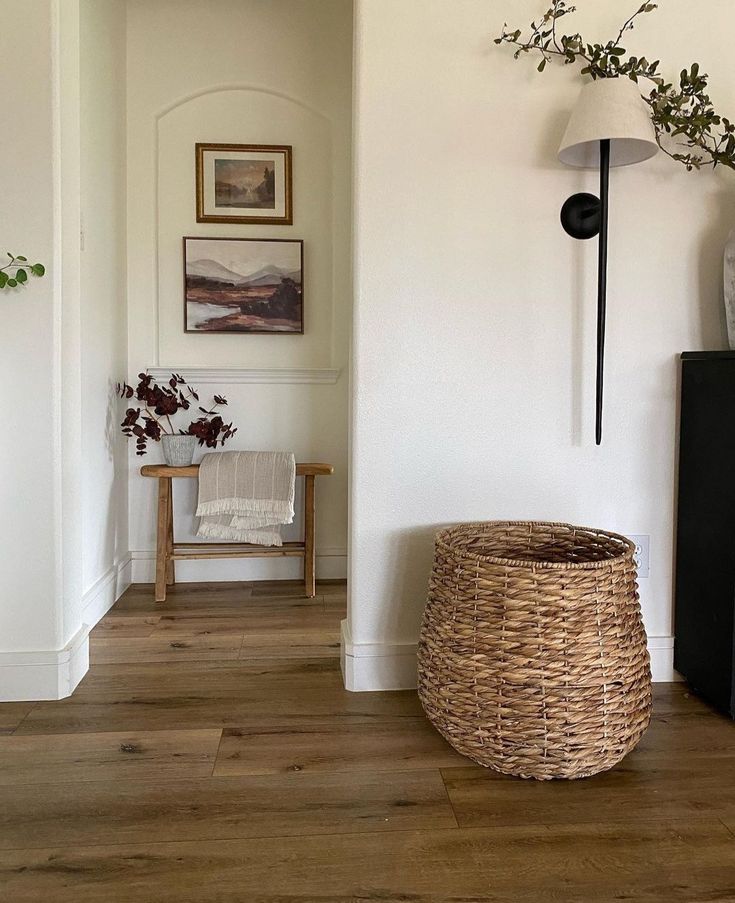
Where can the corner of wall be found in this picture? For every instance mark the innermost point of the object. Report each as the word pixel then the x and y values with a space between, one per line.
pixel 103 594
pixel 55 673
pixel 377 666
pixel 44 675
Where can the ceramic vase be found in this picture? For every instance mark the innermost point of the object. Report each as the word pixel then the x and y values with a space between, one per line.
pixel 178 451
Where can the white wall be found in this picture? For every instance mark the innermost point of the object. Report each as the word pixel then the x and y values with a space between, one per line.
pixel 475 313
pixel 63 498
pixel 42 639
pixel 26 340
pixel 103 298
pixel 276 72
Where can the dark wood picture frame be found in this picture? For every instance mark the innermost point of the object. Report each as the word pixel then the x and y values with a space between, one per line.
pixel 248 331
pixel 285 150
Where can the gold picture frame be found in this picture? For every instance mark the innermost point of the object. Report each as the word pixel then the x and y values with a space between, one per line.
pixel 244 183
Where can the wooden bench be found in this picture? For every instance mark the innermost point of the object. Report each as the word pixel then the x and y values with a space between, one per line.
pixel 168 551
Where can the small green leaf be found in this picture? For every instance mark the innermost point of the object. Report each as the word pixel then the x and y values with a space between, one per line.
pixel 20 257
pixel 21 276
pixel 542 65
pixel 3 279
pixel 38 269
pixel 12 283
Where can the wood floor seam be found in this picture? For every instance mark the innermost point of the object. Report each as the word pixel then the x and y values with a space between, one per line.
pixel 449 798
pixel 324 835
pixel 216 755
pixel 18 725
pixel 648 824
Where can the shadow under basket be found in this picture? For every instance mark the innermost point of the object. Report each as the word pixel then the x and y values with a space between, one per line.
pixel 533 657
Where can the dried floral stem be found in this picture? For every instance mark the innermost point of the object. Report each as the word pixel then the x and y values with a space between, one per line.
pixel 164 401
pixel 683 114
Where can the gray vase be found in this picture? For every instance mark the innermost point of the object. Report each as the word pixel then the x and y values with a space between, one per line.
pixel 178 451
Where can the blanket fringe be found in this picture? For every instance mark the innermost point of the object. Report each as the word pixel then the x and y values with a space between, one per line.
pixel 262 537
pixel 280 511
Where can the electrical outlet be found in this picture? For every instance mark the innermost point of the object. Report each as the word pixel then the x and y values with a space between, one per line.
pixel 642 554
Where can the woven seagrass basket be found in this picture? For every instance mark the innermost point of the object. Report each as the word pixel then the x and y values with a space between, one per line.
pixel 533 658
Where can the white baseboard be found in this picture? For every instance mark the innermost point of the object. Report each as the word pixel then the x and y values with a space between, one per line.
pixel 661 649
pixel 377 667
pixel 372 666
pixel 38 676
pixel 56 673
pixel 331 564
pixel 103 594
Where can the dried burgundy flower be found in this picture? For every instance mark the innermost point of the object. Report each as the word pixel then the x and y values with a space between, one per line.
pixel 161 403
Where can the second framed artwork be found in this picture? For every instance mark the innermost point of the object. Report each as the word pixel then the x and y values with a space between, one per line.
pixel 241 285
pixel 244 183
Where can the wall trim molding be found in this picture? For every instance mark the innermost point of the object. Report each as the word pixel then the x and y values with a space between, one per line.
pixel 331 564
pixel 237 86
pixel 370 667
pixel 45 674
pixel 50 674
pixel 105 591
pixel 661 649
pixel 378 667
pixel 262 376
pixel 158 118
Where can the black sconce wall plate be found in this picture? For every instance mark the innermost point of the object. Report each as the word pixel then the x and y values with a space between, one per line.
pixel 580 216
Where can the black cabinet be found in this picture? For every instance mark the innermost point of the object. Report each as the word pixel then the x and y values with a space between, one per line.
pixel 705 550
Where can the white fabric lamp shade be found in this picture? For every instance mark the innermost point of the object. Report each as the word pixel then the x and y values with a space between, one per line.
pixel 609 108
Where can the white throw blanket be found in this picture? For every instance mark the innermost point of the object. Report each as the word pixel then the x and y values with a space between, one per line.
pixel 245 496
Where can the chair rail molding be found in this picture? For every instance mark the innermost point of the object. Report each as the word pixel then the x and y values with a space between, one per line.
pixel 236 375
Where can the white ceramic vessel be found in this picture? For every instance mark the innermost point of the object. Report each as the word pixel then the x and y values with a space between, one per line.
pixel 178 451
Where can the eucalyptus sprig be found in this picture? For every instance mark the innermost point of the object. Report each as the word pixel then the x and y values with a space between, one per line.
pixel 682 113
pixel 16 272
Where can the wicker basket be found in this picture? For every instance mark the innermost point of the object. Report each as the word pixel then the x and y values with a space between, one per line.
pixel 533 657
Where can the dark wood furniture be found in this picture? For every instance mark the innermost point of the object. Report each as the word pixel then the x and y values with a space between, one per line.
pixel 168 551
pixel 705 557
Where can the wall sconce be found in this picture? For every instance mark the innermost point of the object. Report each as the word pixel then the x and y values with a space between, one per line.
pixel 609 126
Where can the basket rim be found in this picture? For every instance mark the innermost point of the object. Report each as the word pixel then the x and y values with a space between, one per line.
pixel 444 535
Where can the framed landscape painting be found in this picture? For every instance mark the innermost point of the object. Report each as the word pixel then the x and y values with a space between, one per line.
pixel 243 285
pixel 244 183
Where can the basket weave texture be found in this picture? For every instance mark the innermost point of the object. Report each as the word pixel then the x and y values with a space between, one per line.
pixel 533 658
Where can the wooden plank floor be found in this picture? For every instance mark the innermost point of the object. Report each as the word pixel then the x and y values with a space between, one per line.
pixel 212 754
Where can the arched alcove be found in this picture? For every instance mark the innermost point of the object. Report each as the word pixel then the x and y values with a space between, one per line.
pixel 245 115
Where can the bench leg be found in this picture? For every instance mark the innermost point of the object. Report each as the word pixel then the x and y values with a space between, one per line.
pixel 170 563
pixel 164 492
pixel 309 544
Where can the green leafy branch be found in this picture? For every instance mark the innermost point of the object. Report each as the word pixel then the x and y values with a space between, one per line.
pixel 16 272
pixel 681 113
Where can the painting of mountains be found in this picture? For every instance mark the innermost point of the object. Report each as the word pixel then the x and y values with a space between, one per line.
pixel 243 285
